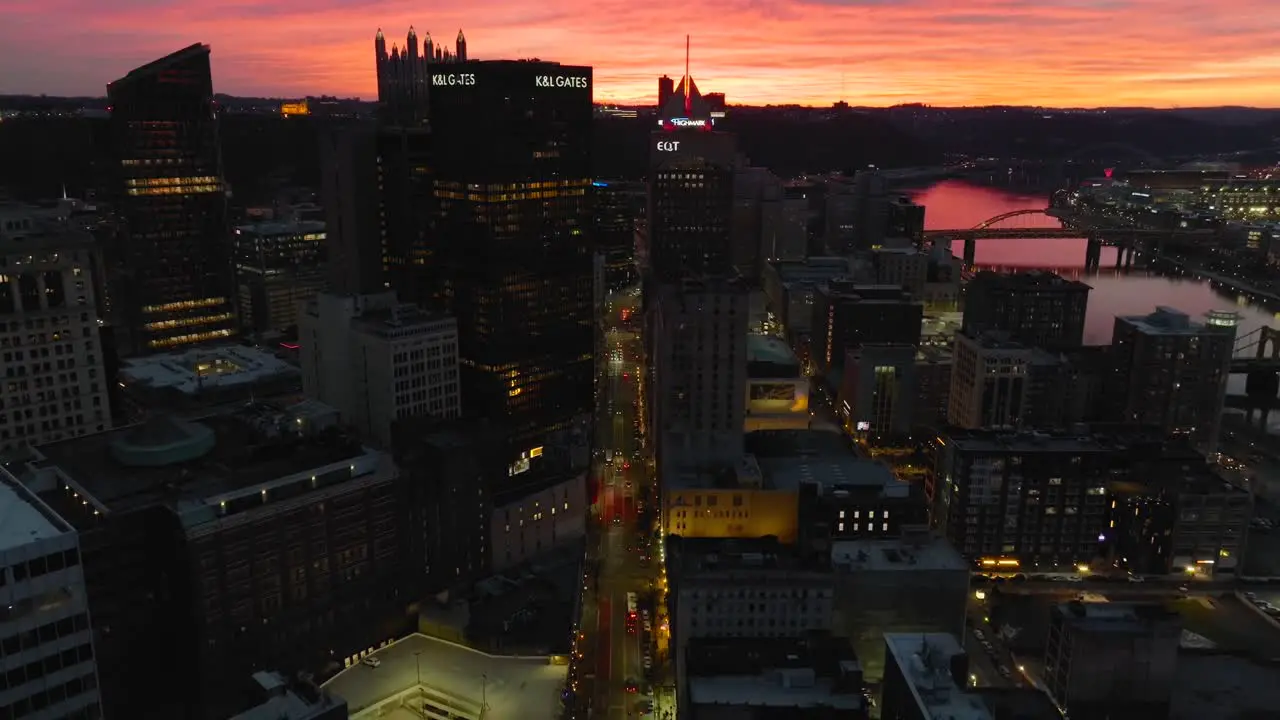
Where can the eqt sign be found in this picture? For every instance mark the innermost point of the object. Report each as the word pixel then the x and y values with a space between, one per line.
pixel 668 145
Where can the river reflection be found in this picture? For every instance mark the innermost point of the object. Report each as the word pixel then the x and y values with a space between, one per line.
pixel 958 204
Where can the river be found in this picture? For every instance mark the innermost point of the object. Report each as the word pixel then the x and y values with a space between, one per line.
pixel 958 204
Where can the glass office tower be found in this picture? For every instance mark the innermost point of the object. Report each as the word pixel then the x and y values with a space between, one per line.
pixel 512 168
pixel 170 265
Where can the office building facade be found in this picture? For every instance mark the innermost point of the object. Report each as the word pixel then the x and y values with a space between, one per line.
pixel 449 472
pixel 1038 309
pixel 848 315
pixel 926 677
pixel 616 208
pixel 1172 373
pixel 912 583
pixel 1028 500
pixel 292 556
pixel 170 267
pixel 1112 659
pixel 990 381
pixel 699 371
pixel 279 267
pixel 691 199
pixel 378 361
pixel 511 174
pixel 877 394
pixel 56 385
pixel 46 645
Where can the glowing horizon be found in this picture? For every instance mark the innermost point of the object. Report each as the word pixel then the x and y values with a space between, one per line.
pixel 1048 53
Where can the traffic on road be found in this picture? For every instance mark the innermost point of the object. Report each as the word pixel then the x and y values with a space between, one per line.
pixel 624 611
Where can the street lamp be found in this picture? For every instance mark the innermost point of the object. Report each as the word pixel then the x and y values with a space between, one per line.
pixel 417 659
pixel 484 694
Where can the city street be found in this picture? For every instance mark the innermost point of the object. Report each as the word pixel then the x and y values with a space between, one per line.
pixel 625 553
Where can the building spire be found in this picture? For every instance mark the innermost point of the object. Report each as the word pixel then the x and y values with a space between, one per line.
pixel 688 81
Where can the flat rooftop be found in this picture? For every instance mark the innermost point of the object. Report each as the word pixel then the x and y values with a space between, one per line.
pixel 701 556
pixel 924 659
pixel 244 448
pixel 1029 279
pixel 775 672
pixel 212 368
pixel 811 271
pixel 1024 442
pixel 298 227
pixel 27 227
pixel 1171 321
pixel 796 443
pixel 911 555
pixel 22 519
pixel 993 340
pixel 769 349
pixel 527 687
pixel 286 702
pixel 394 320
pixel 772 689
pixel 832 472
pixel 1216 686
pixel 1117 617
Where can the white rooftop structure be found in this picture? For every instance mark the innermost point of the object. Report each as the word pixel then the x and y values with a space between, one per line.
pixel 797 688
pixel 925 661
pixel 285 704
pixel 925 552
pixel 205 369
pixel 1171 321
pixel 452 677
pixel 832 472
pixel 21 518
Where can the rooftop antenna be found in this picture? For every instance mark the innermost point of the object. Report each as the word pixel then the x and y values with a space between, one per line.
pixel 688 82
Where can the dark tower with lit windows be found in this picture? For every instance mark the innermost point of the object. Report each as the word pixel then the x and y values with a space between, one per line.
pixel 512 167
pixel 169 267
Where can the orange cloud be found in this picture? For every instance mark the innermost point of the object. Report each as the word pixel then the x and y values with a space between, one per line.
pixel 868 52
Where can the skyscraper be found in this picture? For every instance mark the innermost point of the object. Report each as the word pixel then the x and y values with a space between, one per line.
pixel 690 203
pixel 511 162
pixel 404 76
pixel 1037 308
pixel 615 209
pixel 691 181
pixel 1172 373
pixel 170 266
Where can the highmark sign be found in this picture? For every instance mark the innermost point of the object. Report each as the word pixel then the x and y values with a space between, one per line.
pixel 687 122
pixel 442 79
pixel 560 81
pixel 668 145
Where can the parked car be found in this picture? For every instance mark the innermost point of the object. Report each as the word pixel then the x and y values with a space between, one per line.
pixel 371 661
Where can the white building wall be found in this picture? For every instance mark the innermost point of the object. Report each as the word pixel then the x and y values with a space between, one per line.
pixel 538 522
pixel 54 385
pixel 375 373
pixel 46 646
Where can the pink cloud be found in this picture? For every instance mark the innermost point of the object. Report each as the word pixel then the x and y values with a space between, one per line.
pixel 873 52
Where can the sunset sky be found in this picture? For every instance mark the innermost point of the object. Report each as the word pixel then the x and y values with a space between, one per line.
pixel 868 52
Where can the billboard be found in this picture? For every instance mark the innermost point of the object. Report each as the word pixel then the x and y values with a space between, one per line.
pixel 785 396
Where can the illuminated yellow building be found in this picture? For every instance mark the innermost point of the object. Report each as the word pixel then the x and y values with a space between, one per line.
pixel 748 509
pixel 1254 200
pixel 295 109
